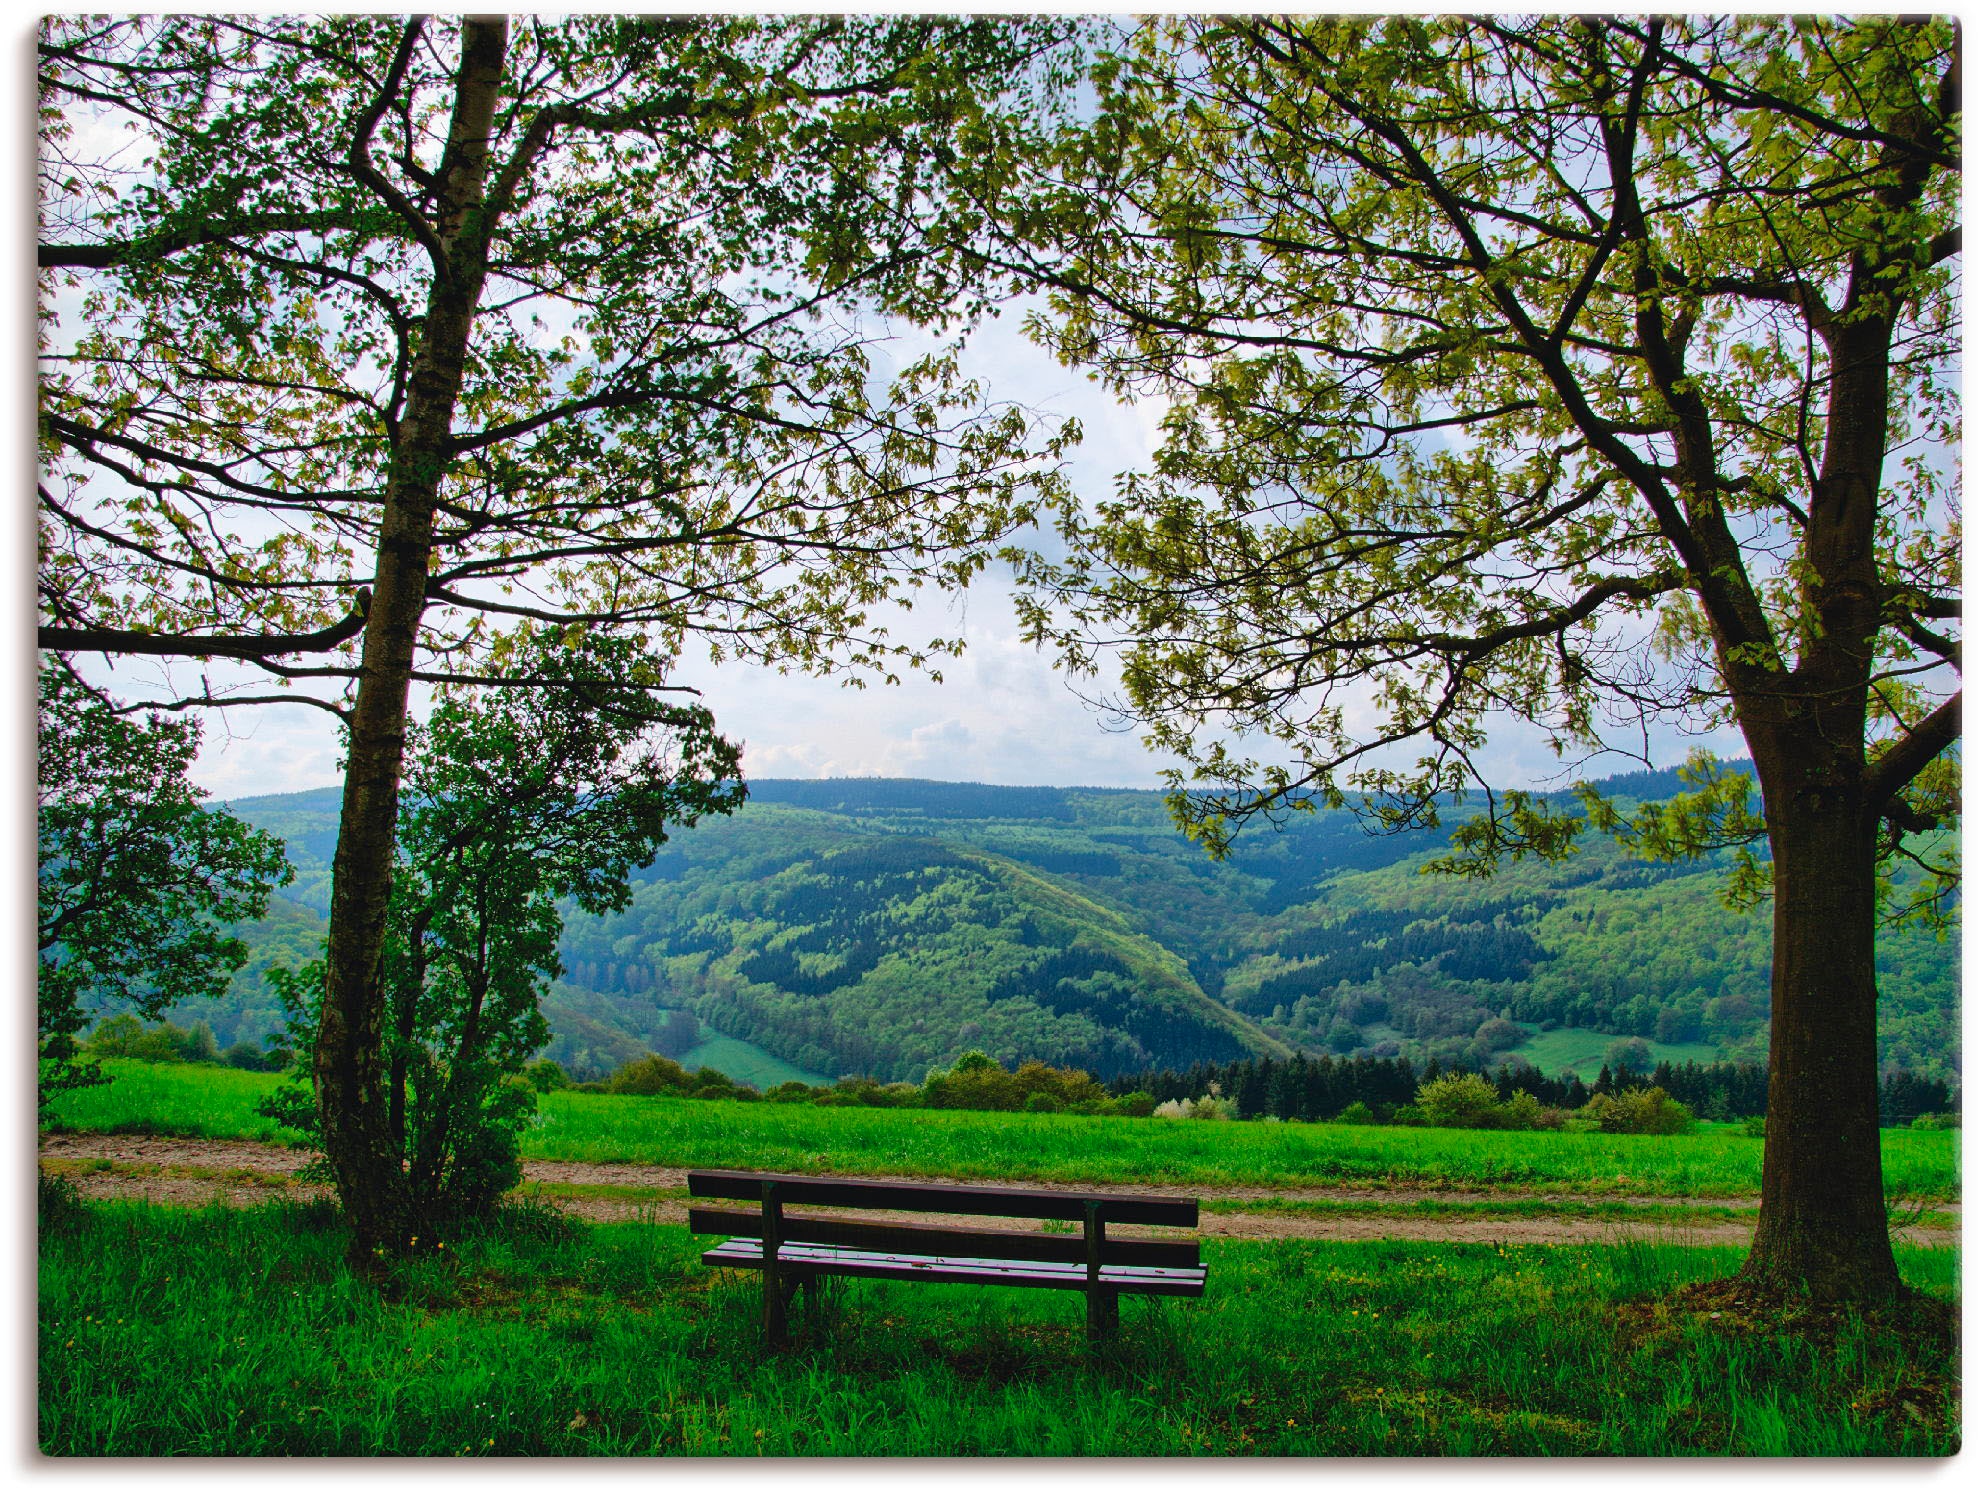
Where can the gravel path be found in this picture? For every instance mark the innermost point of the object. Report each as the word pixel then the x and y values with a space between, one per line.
pixel 177 1170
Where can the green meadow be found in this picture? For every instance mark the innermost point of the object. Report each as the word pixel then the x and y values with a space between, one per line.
pixel 239 1332
pixel 1716 1161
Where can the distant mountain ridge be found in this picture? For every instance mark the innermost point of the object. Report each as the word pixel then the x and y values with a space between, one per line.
pixel 886 926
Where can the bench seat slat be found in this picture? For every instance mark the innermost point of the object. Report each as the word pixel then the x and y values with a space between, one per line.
pixel 942 1198
pixel 798 1258
pixel 926 1239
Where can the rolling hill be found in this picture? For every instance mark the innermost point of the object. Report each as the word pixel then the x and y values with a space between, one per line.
pixel 886 926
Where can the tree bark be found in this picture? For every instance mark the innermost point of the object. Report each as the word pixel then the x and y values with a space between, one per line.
pixel 352 1088
pixel 1822 1225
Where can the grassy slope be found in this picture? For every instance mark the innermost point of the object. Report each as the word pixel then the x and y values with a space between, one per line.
pixel 1582 1051
pixel 1718 1161
pixel 219 1332
pixel 743 1061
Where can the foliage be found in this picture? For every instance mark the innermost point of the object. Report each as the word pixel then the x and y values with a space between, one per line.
pixel 124 1037
pixel 136 880
pixel 666 408
pixel 519 799
pixel 1451 416
pixel 1641 1110
pixel 1460 1100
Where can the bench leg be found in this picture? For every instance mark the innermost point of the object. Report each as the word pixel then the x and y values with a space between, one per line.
pixel 1101 1312
pixel 777 1290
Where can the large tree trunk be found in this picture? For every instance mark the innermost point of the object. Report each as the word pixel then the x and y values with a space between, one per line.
pixel 1822 1226
pixel 351 1077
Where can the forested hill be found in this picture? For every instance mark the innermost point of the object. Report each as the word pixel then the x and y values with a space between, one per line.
pixel 886 926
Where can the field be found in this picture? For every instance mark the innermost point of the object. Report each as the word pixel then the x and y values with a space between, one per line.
pixel 194 1100
pixel 744 1062
pixel 1581 1051
pixel 156 1339
pixel 218 1331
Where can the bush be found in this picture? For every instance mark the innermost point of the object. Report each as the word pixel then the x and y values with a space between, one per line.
pixel 1134 1103
pixel 1357 1114
pixel 1460 1100
pixel 1641 1111
pixel 653 1075
pixel 545 1075
pixel 1208 1108
pixel 790 1090
pixel 1940 1121
pixel 1043 1101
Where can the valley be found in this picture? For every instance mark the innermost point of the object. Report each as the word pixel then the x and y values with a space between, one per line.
pixel 884 927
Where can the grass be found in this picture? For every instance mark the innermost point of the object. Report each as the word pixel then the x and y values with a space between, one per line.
pixel 1583 1050
pixel 1717 1162
pixel 214 1332
pixel 742 1061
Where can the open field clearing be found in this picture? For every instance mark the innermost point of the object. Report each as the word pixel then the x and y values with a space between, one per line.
pixel 196 1172
pixel 1716 1162
pixel 224 1332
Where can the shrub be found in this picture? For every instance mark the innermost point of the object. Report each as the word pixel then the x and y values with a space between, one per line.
pixel 1134 1103
pixel 1043 1101
pixel 1642 1111
pixel 1357 1114
pixel 1208 1108
pixel 546 1075
pixel 1941 1121
pixel 1754 1126
pixel 1460 1100
pixel 653 1075
pixel 790 1090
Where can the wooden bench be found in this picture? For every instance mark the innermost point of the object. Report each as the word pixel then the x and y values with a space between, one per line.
pixel 791 1249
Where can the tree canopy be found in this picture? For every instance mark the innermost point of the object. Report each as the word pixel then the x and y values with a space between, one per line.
pixel 673 402
pixel 1500 357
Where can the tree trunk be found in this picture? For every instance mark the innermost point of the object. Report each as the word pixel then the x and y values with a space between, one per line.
pixel 351 1078
pixel 1822 1227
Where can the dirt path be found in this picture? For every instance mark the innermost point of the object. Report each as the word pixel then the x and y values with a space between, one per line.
pixel 176 1170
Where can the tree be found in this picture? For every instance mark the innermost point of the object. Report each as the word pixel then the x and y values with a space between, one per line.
pixel 136 879
pixel 1583 371
pixel 386 335
pixel 516 799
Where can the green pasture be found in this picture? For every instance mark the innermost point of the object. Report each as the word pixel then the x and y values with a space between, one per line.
pixel 1581 1051
pixel 743 1062
pixel 1717 1161
pixel 227 1333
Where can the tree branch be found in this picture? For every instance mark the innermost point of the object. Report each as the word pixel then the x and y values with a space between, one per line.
pixel 1904 760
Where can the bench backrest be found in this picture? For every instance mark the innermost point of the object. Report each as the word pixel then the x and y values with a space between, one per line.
pixel 944 1198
